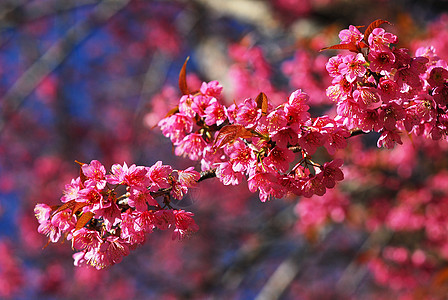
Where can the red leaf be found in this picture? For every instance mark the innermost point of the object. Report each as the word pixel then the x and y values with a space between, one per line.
pixel 351 47
pixel 84 219
pixel 172 111
pixel 81 174
pixel 362 45
pixel 183 78
pixel 230 133
pixel 78 206
pixel 262 103
pixel 67 205
pixel 372 26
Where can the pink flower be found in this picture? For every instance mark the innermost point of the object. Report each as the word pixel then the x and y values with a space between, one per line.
pixel 352 66
pixel 267 184
pixel 132 176
pixel 367 97
pixel 438 76
pixel 164 219
pixel 47 228
pixel 313 186
pixel 240 156
pixel 380 40
pixel 42 212
pixel 248 114
pixel 86 239
pixel 279 159
pixel 388 89
pixel 211 89
pixel 388 139
pixel 370 120
pixel 200 104
pixel 64 220
pixel 145 222
pixel 424 107
pixel 350 35
pixel 110 213
pixel 311 140
pixel 188 177
pixel 176 127
pixel 159 175
pixel 285 137
pixel 381 61
pixel 340 89
pixel 336 139
pixel 71 190
pixel 296 109
pixel 215 113
pixel 91 196
pixel 140 198
pixel 185 108
pixel 131 231
pixel 226 174
pixel 192 145
pixel 440 94
pixel 109 253
pixel 332 65
pixel 409 69
pixel 332 173
pixel 276 121
pixel 390 114
pixel 118 173
pixel 185 225
pixel 95 173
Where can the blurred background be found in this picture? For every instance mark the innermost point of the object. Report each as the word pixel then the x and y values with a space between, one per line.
pixel 89 79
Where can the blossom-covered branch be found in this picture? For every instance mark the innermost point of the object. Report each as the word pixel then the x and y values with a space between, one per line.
pixel 376 86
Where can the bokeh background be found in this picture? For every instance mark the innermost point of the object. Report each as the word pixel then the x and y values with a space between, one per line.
pixel 90 79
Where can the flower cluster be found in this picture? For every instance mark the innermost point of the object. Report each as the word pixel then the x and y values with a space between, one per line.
pixel 270 147
pixel 107 215
pixel 381 88
pixel 376 87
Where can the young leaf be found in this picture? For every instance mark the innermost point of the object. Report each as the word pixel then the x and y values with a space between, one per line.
pixel 67 205
pixel 183 78
pixel 262 103
pixel 372 26
pixel 351 47
pixel 78 206
pixel 84 219
pixel 81 173
pixel 230 133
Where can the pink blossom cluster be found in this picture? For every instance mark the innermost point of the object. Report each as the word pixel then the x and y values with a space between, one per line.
pixel 107 215
pixel 271 147
pixel 378 87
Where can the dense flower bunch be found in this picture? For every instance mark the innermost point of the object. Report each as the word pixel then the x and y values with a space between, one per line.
pixel 271 147
pixel 381 88
pixel 376 87
pixel 106 215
